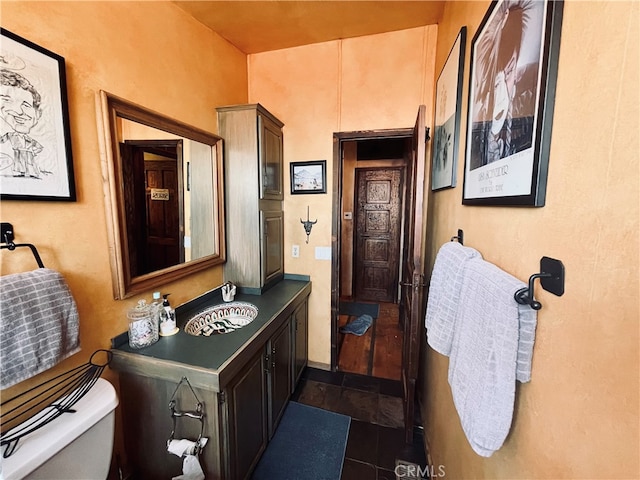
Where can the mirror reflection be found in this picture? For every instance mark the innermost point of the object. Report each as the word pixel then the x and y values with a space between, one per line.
pixel 165 194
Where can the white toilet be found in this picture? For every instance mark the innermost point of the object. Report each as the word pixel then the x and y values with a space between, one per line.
pixel 75 446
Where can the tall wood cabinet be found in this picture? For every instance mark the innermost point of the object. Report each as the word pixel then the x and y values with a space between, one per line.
pixel 254 193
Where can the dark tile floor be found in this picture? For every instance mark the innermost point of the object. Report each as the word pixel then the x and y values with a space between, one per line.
pixel 376 435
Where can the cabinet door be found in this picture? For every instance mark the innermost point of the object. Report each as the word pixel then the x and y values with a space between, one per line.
pixel 279 352
pixel 270 139
pixel 299 322
pixel 247 418
pixel 272 245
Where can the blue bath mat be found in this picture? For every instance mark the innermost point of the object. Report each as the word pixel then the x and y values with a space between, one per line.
pixel 308 444
pixel 359 326
pixel 355 309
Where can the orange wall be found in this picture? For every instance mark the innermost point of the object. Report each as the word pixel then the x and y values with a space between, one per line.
pixel 152 54
pixel 370 82
pixel 578 417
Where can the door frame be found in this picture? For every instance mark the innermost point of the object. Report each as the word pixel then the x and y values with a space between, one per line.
pixel 336 228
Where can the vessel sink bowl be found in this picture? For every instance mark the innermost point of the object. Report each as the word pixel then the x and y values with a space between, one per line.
pixel 221 318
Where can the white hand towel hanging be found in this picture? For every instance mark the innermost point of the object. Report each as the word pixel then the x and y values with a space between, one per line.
pixel 489 353
pixel 444 294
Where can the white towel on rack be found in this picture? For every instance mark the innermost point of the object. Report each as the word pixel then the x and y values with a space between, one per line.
pixel 486 353
pixel 444 294
pixel 39 325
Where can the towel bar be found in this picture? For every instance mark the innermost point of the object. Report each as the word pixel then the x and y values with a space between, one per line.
pixel 6 232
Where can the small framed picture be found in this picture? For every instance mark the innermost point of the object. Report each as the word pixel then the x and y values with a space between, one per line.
pixel 35 143
pixel 309 177
pixel 514 65
pixel 447 126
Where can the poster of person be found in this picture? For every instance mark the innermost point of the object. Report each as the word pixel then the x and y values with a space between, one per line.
pixel 514 47
pixel 35 151
pixel 447 117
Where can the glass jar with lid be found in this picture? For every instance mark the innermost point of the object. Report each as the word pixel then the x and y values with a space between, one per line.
pixel 143 325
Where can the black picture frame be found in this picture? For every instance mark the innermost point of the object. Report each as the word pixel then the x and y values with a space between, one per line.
pixel 510 110
pixel 446 138
pixel 36 161
pixel 308 177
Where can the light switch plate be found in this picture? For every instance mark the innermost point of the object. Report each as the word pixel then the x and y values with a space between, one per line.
pixel 323 253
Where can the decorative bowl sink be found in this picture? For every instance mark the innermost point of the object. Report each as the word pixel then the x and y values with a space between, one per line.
pixel 221 318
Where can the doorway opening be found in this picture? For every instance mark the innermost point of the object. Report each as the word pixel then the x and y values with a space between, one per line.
pixel 152 171
pixel 371 208
pixel 409 295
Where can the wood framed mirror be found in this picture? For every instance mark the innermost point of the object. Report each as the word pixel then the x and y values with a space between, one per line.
pixel 164 196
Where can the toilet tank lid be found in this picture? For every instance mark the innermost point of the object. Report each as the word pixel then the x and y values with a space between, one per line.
pixel 39 446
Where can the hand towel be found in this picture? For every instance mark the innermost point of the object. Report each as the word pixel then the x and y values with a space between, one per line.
pixel 444 294
pixel 485 354
pixel 359 326
pixel 39 324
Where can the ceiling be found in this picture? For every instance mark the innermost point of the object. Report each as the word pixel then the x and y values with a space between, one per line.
pixel 260 26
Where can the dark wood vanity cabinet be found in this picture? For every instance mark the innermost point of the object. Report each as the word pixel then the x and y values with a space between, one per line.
pixel 243 401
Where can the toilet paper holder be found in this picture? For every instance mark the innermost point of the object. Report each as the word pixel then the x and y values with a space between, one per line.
pixel 197 414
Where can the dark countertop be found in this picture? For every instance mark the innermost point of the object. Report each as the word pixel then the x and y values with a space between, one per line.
pixel 215 354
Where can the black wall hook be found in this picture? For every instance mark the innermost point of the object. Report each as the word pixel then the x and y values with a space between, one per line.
pixel 551 278
pixel 459 237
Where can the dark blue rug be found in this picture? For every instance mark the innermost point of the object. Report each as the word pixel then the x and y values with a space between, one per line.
pixel 356 309
pixel 309 443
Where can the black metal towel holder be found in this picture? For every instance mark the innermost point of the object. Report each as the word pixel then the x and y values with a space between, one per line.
pixel 6 234
pixel 551 278
pixel 459 237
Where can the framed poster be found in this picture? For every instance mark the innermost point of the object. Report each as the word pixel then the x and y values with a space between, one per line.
pixel 447 122
pixel 35 145
pixel 309 177
pixel 514 63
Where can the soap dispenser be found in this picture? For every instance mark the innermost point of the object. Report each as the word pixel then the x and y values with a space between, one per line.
pixel 167 318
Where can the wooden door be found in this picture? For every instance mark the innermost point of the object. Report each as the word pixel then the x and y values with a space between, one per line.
pixel 377 236
pixel 270 139
pixel 163 243
pixel 247 418
pixel 272 245
pixel 412 298
pixel 280 371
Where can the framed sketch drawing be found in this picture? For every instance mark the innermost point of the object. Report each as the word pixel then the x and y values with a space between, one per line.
pixel 35 146
pixel 309 177
pixel 514 62
pixel 447 122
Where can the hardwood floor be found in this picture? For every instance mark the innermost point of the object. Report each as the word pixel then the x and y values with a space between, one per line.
pixel 378 352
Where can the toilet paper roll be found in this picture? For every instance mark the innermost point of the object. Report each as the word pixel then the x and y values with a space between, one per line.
pixel 191 469
pixel 184 447
pixel 180 447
